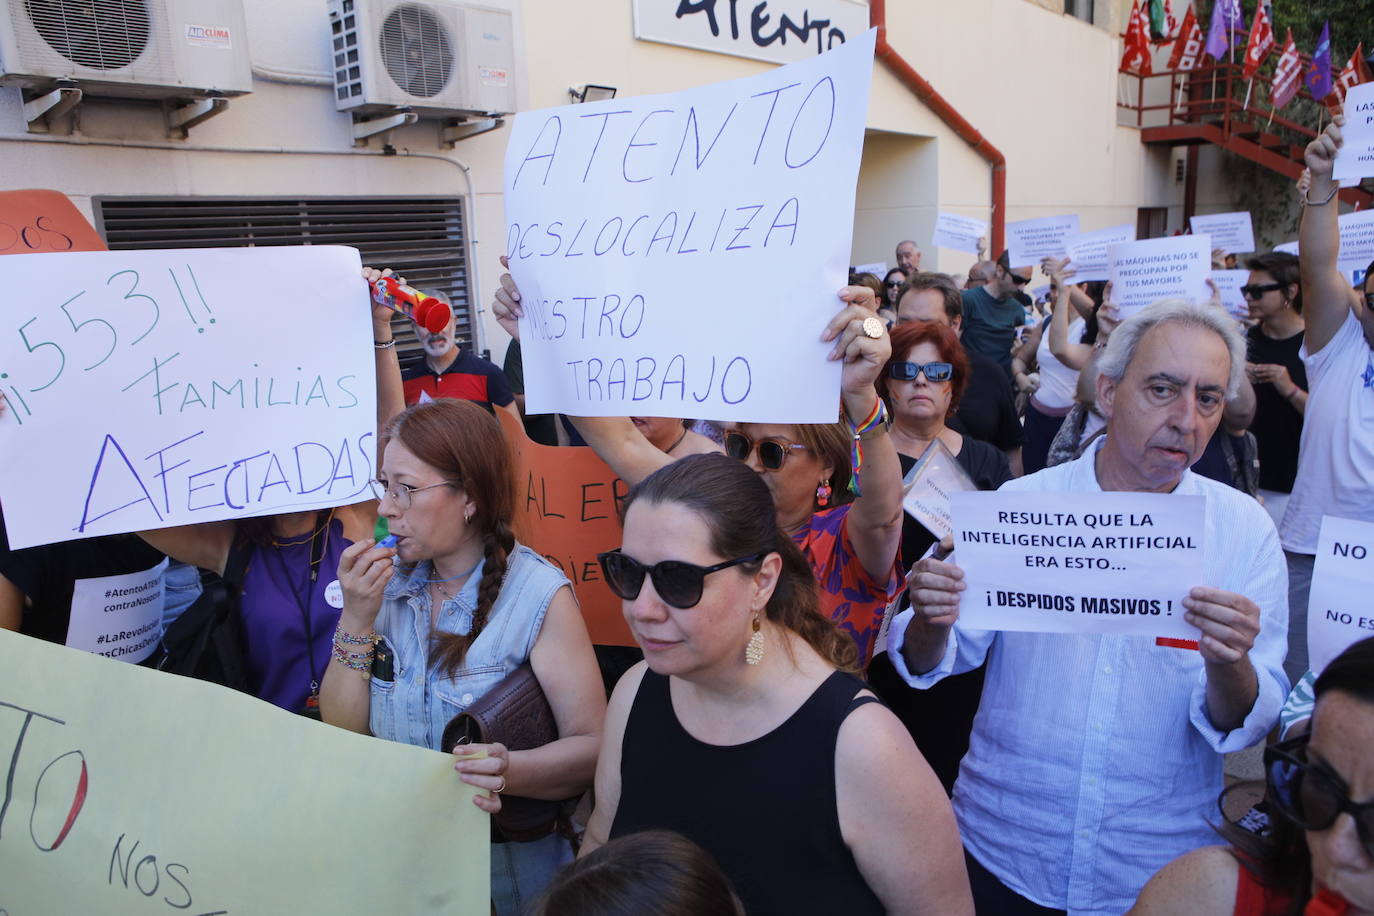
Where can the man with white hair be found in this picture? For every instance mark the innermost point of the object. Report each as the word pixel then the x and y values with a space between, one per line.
pixel 908 256
pixel 1095 759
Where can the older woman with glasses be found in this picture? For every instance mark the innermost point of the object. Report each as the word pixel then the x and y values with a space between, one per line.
pixel 741 729
pixel 463 606
pixel 849 536
pixel 1317 857
pixel 922 384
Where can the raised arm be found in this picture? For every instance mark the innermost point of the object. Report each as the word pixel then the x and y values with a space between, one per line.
pixel 390 393
pixel 205 545
pixel 1073 354
pixel 875 518
pixel 1325 293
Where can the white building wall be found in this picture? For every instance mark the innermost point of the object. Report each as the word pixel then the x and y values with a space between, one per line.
pixel 1039 84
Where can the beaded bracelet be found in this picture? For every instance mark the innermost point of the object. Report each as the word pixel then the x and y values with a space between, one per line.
pixel 877 418
pixel 361 664
pixel 348 639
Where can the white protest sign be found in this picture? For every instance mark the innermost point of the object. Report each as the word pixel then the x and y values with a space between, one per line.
pixel 959 233
pixel 1355 159
pixel 1228 284
pixel 134 792
pixel 1357 239
pixel 119 617
pixel 679 255
pixel 1233 233
pixel 172 387
pixel 1031 240
pixel 1338 608
pixel 1088 251
pixel 935 477
pixel 877 269
pixel 1147 271
pixel 1078 562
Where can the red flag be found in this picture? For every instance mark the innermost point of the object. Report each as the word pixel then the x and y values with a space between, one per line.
pixel 1287 75
pixel 1356 71
pixel 1135 57
pixel 1188 47
pixel 1170 20
pixel 1260 44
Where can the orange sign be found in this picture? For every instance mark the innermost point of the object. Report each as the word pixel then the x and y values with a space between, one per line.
pixel 567 509
pixel 32 222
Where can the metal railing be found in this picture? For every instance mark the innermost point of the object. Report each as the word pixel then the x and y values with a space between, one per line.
pixel 1216 94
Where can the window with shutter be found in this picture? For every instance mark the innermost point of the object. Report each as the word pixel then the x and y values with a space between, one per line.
pixel 424 239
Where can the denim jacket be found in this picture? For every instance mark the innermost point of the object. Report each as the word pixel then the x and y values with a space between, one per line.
pixel 415 706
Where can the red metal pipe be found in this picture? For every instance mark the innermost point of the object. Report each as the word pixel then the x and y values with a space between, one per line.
pixel 946 112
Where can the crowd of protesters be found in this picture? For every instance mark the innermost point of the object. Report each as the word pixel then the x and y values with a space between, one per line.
pixel 807 725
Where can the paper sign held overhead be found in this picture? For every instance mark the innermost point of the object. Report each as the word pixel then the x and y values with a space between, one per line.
pixel 1032 240
pixel 132 791
pixel 877 269
pixel 1231 232
pixel 1078 562
pixel 1338 608
pixel 1145 272
pixel 1355 159
pixel 1228 284
pixel 668 248
pixel 959 233
pixel 1088 251
pixel 146 381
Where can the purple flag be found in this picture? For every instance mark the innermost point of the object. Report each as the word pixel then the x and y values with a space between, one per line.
pixel 1318 78
pixel 1218 35
pixel 1231 12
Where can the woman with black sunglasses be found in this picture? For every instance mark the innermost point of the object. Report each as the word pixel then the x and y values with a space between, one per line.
pixel 1275 368
pixel 743 730
pixel 922 383
pixel 846 522
pixel 1318 857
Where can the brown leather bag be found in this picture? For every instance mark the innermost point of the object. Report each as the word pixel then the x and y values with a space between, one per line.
pixel 514 712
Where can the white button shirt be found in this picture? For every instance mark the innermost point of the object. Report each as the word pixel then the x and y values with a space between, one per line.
pixel 1092 761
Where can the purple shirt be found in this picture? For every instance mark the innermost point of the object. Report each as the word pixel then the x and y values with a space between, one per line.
pixel 280 605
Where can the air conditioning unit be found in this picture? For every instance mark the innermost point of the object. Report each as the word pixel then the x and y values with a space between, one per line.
pixel 439 58
pixel 127 48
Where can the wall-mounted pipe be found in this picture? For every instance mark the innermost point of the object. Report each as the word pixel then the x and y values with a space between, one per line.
pixel 946 112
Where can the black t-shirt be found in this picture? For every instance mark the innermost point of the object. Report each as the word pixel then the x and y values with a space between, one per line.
pixel 47 575
pixel 987 411
pixel 986 467
pixel 1277 425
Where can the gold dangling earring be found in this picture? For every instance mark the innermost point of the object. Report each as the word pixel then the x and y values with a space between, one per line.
pixel 753 653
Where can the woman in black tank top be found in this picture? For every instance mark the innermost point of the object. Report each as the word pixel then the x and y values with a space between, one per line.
pixel 742 731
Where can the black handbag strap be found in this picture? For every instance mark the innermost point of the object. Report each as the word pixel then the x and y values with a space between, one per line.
pixel 236 563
